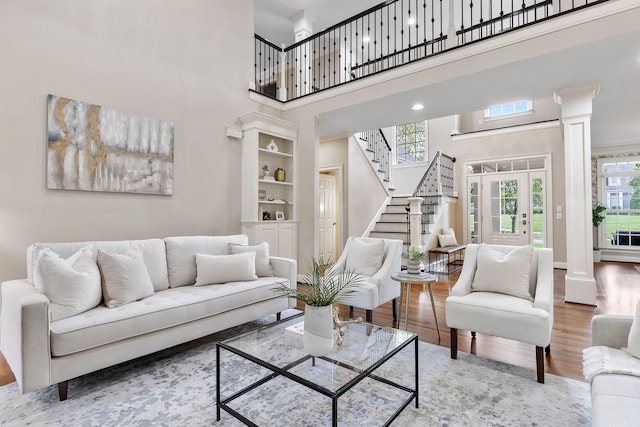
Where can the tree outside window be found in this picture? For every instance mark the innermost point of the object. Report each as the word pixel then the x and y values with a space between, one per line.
pixel 411 143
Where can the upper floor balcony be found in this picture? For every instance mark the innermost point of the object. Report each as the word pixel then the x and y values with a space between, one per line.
pixel 390 35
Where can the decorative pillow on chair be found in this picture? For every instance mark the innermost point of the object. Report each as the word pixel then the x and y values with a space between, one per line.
pixel 447 240
pixel 125 277
pixel 215 269
pixel 72 285
pixel 263 267
pixel 633 346
pixel 365 256
pixel 448 231
pixel 505 273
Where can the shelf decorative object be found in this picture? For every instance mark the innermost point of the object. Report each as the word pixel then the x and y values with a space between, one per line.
pixel 272 146
pixel 280 175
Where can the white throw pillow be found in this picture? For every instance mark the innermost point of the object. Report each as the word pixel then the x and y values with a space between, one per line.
pixel 72 285
pixel 633 345
pixel 365 256
pixel 215 269
pixel 505 273
pixel 448 231
pixel 125 277
pixel 263 267
pixel 447 240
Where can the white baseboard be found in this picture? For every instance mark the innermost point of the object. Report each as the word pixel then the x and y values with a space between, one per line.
pixel 560 265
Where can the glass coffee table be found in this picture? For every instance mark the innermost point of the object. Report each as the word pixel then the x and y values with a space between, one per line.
pixel 277 348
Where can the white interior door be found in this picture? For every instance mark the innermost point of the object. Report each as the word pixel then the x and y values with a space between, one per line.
pixel 327 215
pixel 505 211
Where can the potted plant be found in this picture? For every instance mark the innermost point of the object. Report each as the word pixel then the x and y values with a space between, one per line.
pixel 598 217
pixel 414 258
pixel 323 287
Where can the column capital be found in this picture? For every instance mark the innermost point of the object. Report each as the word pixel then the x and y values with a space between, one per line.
pixel 576 100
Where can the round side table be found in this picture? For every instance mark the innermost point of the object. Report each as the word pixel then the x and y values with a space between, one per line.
pixel 406 280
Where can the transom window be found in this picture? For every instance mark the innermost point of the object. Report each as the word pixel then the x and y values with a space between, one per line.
pixel 411 141
pixel 619 192
pixel 508 110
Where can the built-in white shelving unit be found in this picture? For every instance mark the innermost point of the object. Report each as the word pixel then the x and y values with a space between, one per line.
pixel 269 141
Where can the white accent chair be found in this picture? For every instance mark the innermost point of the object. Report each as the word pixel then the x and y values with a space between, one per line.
pixel 500 314
pixel 378 288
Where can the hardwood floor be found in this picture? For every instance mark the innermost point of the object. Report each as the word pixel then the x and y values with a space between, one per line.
pixel 618 292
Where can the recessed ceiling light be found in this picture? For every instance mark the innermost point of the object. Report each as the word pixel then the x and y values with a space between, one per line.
pixel 417 107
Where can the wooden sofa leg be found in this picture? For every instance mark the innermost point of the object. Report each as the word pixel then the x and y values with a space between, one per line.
pixel 278 316
pixel 394 308
pixel 454 343
pixel 540 364
pixel 369 316
pixel 62 390
pixel 547 349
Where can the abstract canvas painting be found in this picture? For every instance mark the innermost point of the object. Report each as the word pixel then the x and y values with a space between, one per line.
pixel 96 148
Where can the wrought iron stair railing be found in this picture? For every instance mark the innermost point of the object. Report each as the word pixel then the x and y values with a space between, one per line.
pixel 437 181
pixel 392 34
pixel 377 144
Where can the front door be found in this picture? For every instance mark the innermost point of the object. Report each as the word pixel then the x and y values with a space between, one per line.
pixel 505 214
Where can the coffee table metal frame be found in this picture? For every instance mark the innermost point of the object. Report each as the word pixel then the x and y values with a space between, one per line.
pixel 222 403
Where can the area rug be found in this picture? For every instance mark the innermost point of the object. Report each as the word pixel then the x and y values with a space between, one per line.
pixel 176 387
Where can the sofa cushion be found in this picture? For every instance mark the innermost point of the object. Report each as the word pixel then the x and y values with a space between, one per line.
pixel 615 400
pixel 153 252
pixel 124 277
pixel 101 325
pixel 72 285
pixel 216 269
pixel 181 254
pixel 503 272
pixel 263 266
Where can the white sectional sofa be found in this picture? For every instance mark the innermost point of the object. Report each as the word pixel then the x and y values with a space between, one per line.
pixel 42 352
pixel 615 391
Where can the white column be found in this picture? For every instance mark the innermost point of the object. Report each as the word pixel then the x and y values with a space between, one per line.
pixel 576 107
pixel 452 39
pixel 282 96
pixel 303 28
pixel 415 221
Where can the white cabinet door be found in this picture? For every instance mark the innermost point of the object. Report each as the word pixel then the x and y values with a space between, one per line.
pixel 288 240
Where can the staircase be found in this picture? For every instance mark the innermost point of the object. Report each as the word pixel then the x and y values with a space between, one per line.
pixel 394 221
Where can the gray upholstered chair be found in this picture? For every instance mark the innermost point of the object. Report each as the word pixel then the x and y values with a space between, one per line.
pixel 504 291
pixel 376 260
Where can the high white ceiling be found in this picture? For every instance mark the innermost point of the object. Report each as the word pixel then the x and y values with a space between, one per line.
pixel 272 17
pixel 613 62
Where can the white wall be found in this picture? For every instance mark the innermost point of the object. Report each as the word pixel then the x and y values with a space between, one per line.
pixel 187 62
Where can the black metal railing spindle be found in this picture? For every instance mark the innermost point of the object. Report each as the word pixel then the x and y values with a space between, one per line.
pixel 413 29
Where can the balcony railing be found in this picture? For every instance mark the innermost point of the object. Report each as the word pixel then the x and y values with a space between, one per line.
pixel 392 34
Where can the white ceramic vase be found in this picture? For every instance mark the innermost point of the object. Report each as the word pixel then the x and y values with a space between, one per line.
pixel 318 330
pixel 413 266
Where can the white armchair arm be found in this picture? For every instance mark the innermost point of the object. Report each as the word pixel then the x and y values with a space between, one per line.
pixel 288 269
pixel 463 285
pixel 544 285
pixel 24 334
pixel 611 330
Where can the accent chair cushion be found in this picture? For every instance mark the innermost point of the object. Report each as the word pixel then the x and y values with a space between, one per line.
pixel 365 256
pixel 263 267
pixel 125 277
pixel 448 231
pixel 633 345
pixel 72 285
pixel 505 273
pixel 215 269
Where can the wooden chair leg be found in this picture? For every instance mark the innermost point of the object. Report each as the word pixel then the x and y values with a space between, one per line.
pixel 63 387
pixel 547 349
pixel 540 364
pixel 369 316
pixel 394 308
pixel 278 316
pixel 473 335
pixel 454 343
